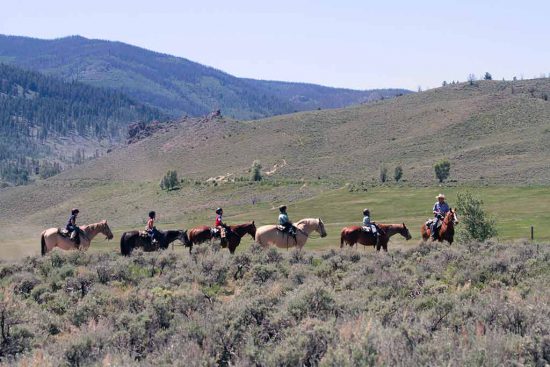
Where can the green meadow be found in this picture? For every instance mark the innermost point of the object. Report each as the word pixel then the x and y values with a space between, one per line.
pixel 515 210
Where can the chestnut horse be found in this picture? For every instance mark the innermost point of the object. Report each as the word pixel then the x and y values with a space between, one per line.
pixel 447 229
pixel 133 239
pixel 51 237
pixel 202 234
pixel 354 234
pixel 271 235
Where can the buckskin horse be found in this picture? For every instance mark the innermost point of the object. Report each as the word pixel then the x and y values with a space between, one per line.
pixel 51 237
pixel 354 234
pixel 271 235
pixel 134 239
pixel 233 237
pixel 447 229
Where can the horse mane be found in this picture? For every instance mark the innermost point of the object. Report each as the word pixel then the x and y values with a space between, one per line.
pixel 94 226
pixel 307 220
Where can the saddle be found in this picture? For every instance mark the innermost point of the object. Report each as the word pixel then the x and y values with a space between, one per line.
pixel 218 232
pixel 143 234
pixel 291 231
pixel 71 236
pixel 370 229
pixel 430 221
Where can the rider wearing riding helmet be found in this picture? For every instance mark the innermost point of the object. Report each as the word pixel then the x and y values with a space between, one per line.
pixel 150 228
pixel 285 221
pixel 219 224
pixel 71 226
pixel 440 209
pixel 367 223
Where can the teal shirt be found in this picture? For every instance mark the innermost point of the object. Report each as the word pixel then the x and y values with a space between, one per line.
pixel 283 219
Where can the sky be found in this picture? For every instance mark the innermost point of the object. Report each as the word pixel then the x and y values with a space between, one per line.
pixel 347 43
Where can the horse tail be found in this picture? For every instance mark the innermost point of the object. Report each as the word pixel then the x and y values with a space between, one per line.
pixel 342 235
pixel 43 244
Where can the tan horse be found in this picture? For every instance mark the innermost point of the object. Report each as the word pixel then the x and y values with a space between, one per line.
pixel 51 238
pixel 270 235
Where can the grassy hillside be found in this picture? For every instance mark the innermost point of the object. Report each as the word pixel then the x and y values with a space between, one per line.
pixel 492 132
pixel 47 124
pixel 176 85
pixel 473 304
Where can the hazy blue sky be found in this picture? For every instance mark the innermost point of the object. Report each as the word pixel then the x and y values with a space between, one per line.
pixel 346 43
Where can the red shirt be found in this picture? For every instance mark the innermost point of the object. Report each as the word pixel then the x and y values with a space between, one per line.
pixel 218 220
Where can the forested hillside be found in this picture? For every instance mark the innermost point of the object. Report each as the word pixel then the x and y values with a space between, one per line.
pixel 175 85
pixel 38 115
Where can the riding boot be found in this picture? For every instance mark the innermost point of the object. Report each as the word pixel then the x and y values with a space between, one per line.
pixel 434 232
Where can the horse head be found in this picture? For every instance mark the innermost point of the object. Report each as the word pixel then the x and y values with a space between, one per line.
pixel 404 231
pixel 106 230
pixel 251 230
pixel 321 228
pixel 451 217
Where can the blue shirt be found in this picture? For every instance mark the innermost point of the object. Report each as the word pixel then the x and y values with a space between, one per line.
pixel 283 219
pixel 366 220
pixel 441 208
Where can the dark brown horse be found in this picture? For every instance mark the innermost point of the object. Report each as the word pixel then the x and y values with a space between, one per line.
pixel 202 234
pixel 446 231
pixel 133 239
pixel 355 234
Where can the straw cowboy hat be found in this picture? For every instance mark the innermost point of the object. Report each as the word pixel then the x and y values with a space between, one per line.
pixel 440 196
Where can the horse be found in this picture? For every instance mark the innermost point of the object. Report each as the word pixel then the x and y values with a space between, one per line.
pixel 271 235
pixel 233 237
pixel 447 229
pixel 133 239
pixel 51 237
pixel 354 234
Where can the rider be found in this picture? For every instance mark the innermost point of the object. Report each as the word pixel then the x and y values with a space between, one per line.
pixel 285 221
pixel 72 228
pixel 370 225
pixel 366 221
pixel 441 208
pixel 220 225
pixel 150 228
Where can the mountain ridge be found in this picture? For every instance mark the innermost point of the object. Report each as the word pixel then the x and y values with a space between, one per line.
pixel 174 84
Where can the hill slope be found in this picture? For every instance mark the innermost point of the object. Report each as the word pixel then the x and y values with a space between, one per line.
pixel 176 85
pixel 491 132
pixel 41 117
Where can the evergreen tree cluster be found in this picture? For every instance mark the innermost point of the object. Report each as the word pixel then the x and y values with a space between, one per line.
pixel 36 107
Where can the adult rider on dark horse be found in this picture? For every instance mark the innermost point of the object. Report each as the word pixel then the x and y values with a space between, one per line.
pixel 440 209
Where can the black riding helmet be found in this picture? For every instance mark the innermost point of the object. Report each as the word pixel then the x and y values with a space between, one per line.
pixel 75 211
pixel 219 211
pixel 282 208
pixel 152 214
pixel 366 212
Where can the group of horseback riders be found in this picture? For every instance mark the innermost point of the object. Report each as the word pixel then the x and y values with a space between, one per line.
pixel 221 230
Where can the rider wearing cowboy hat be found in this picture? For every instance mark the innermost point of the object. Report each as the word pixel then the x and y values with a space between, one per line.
pixel 71 226
pixel 440 209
